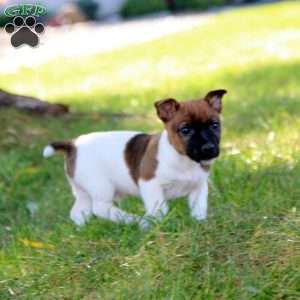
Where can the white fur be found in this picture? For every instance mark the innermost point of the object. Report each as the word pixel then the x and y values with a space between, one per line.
pixel 48 151
pixel 101 174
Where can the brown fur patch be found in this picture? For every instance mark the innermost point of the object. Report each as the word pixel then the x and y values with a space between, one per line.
pixel 141 156
pixel 192 111
pixel 70 151
pixel 71 162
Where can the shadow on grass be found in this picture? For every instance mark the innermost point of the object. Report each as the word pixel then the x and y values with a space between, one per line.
pixel 270 189
pixel 262 98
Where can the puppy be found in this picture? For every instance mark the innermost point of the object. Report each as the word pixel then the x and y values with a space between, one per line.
pixel 175 163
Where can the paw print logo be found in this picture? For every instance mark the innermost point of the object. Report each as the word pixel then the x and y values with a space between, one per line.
pixel 24 31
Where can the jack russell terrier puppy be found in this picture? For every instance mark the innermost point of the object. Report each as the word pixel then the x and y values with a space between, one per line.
pixel 157 167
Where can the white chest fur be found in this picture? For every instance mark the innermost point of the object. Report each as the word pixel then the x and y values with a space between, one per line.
pixel 177 174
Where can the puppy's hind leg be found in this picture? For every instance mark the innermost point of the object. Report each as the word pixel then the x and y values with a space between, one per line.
pixel 103 205
pixel 82 208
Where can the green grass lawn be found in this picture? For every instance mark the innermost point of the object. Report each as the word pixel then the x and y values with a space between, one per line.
pixel 249 248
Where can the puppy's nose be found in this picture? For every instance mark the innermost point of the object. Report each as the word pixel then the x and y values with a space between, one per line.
pixel 208 148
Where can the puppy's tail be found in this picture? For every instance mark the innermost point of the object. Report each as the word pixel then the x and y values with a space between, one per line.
pixel 66 147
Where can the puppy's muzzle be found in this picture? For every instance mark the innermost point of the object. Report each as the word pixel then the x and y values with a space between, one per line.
pixel 205 152
pixel 209 149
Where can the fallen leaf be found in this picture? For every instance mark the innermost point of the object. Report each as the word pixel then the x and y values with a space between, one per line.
pixel 36 245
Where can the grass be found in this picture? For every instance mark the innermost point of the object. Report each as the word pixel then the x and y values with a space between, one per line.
pixel 249 248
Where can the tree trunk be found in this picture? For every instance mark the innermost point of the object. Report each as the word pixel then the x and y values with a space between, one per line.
pixel 31 104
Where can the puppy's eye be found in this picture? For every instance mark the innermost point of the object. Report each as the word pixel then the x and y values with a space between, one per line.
pixel 185 130
pixel 215 125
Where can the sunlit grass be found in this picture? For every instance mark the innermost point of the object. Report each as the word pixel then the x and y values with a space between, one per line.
pixel 249 247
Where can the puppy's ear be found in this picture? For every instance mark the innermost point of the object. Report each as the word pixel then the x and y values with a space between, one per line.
pixel 166 109
pixel 214 99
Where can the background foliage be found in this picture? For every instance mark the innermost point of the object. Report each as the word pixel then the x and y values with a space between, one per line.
pixel 133 8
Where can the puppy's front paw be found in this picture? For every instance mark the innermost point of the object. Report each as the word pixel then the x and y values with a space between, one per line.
pixel 199 216
pixel 144 224
pixel 80 217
